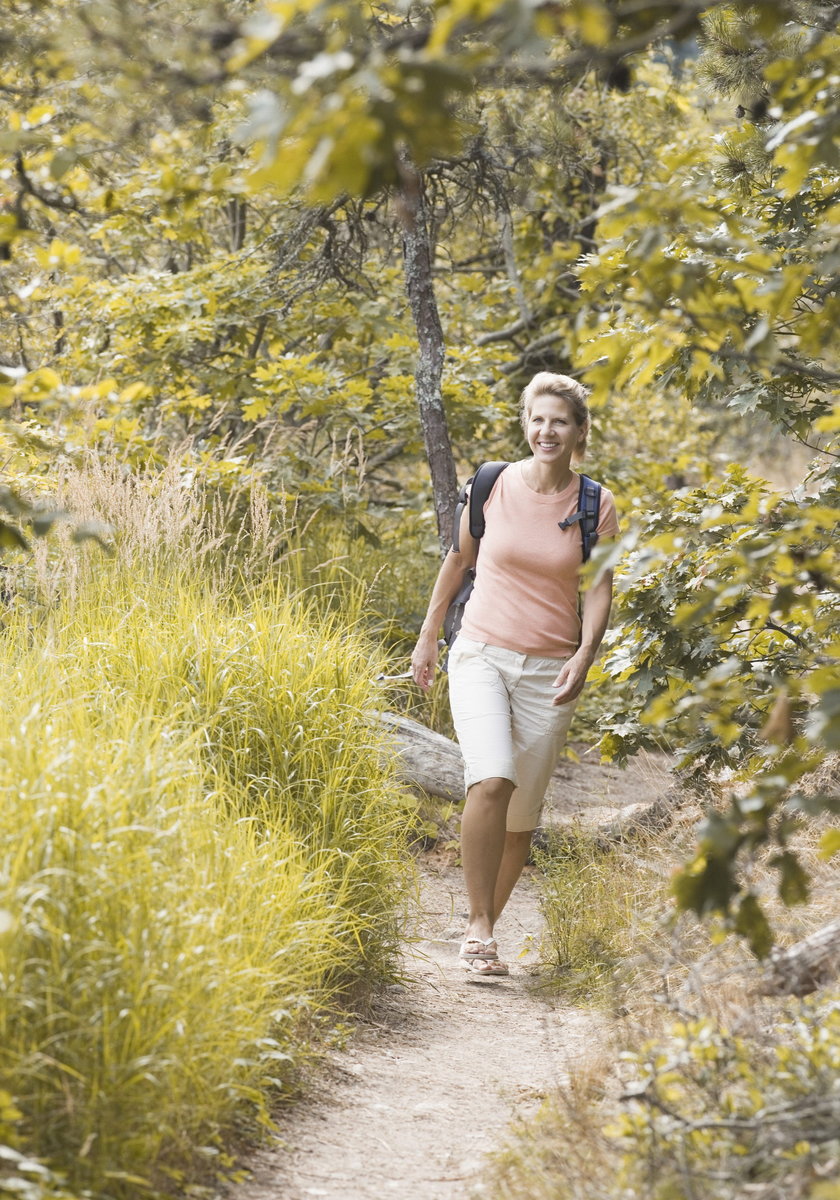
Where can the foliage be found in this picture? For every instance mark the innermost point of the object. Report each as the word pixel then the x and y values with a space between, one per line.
pixel 201 241
pixel 729 641
pixel 718 1111
pixel 717 275
pixel 157 290
pixel 703 1112
pixel 202 855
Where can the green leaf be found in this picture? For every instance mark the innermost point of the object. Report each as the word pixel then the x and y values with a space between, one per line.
pixel 62 161
pixel 96 531
pixel 42 522
pixel 11 537
pixel 11 502
pixel 707 885
pixel 793 885
pixel 752 924
pixel 824 722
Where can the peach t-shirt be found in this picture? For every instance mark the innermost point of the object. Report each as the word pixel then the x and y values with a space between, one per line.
pixel 526 582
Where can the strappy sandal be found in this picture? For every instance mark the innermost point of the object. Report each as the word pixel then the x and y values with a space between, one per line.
pixel 486 968
pixel 473 948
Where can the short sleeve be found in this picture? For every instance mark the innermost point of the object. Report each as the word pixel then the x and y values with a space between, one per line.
pixel 607 517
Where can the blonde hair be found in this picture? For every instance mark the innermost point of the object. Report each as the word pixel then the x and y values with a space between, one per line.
pixel 545 383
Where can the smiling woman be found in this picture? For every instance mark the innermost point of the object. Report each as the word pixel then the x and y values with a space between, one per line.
pixel 523 654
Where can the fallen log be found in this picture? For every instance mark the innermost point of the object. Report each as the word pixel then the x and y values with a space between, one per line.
pixel 801 968
pixel 642 819
pixel 428 760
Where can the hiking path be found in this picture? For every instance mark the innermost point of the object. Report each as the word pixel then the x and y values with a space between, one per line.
pixel 430 1082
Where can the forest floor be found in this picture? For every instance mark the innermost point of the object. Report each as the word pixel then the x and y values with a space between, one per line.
pixel 430 1083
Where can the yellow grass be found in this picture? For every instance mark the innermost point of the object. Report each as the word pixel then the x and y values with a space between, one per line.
pixel 200 849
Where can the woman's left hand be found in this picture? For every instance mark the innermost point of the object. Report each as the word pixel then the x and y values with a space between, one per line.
pixel 572 677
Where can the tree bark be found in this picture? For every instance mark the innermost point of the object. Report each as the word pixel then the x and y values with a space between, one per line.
pixel 643 819
pixel 806 965
pixel 417 258
pixel 237 215
pixel 428 760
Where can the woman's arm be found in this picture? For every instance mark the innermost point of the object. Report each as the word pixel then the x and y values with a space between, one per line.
pixel 596 615
pixel 450 577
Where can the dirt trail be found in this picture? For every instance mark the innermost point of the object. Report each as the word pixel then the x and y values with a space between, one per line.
pixel 427 1088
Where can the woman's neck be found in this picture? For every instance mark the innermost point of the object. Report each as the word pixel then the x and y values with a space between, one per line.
pixel 547 479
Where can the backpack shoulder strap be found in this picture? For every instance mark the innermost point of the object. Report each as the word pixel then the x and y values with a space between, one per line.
pixel 483 481
pixel 475 493
pixel 589 503
pixel 588 511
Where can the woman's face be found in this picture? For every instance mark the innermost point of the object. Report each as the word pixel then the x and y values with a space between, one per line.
pixel 552 431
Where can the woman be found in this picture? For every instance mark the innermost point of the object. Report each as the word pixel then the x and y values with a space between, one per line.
pixel 522 656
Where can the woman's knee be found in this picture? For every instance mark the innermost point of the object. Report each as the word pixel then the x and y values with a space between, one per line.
pixel 494 788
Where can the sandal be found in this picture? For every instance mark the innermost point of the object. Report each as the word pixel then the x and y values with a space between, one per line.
pixel 473 948
pixel 486 968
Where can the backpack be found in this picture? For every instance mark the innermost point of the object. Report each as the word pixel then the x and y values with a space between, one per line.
pixel 588 510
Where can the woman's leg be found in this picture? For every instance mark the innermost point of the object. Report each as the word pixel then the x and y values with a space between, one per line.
pixel 514 858
pixel 482 850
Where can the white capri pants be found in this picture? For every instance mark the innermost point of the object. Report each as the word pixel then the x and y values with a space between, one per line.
pixel 506 724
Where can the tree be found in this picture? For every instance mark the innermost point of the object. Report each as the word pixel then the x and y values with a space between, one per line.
pixel 205 198
pixel 719 275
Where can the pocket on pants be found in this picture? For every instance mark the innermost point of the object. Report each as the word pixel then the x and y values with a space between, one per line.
pixel 464 648
pixel 559 716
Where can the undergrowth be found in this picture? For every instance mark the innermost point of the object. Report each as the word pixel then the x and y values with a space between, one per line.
pixel 201 847
pixel 701 1087
pixel 591 900
pixel 697 1113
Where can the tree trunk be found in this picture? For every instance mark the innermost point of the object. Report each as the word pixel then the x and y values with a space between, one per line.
pixel 417 256
pixel 806 965
pixel 238 217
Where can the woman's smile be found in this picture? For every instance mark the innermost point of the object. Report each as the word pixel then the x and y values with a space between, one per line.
pixel 552 431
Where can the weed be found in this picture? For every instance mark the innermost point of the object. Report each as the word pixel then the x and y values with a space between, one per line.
pixel 590 903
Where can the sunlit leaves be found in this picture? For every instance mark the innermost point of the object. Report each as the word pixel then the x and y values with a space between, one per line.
pixel 706 1111
pixel 730 606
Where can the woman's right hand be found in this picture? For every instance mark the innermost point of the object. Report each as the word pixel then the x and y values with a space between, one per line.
pixel 424 660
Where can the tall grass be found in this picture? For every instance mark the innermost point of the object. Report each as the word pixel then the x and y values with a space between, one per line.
pixel 200 851
pixel 592 900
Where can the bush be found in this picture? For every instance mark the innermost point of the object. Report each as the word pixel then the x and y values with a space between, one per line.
pixel 701 1112
pixel 199 854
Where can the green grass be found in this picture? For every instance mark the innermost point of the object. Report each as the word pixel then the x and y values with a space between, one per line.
pixel 201 855
pixel 592 900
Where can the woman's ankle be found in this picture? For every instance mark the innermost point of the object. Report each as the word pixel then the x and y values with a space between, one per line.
pixel 482 930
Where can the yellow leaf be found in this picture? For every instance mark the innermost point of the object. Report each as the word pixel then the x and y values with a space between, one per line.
pixel 829 423
pixel 134 391
pixel 829 843
pixel 254 409
pixel 39 382
pixel 58 254
pixel 591 20
pixel 39 115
